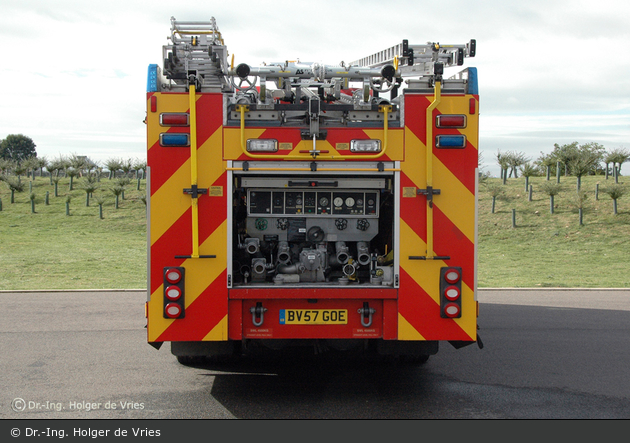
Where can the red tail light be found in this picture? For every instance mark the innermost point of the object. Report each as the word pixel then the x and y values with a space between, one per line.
pixel 450 292
pixel 173 275
pixel 173 310
pixel 452 310
pixel 174 302
pixel 173 293
pixel 450 121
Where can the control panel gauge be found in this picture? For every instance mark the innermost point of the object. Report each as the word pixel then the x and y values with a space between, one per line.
pixel 338 201
pixel 349 202
pixel 323 201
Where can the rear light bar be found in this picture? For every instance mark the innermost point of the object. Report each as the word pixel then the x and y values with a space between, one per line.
pixel 174 119
pixel 450 121
pixel 261 145
pixel 174 140
pixel 450 141
pixel 365 146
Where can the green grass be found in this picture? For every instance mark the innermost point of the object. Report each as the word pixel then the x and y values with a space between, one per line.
pixel 50 250
pixel 553 250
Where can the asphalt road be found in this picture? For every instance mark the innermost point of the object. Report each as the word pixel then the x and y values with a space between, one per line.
pixel 547 354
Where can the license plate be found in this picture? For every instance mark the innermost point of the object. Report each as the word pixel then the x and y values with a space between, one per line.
pixel 313 316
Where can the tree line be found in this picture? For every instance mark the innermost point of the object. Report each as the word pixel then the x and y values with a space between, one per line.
pixel 570 159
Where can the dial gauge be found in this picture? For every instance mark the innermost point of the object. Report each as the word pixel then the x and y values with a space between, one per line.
pixel 338 201
pixel 323 201
pixel 349 202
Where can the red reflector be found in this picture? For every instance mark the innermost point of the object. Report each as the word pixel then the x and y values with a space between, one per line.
pixel 450 121
pixel 451 293
pixel 451 310
pixel 174 119
pixel 173 293
pixel 173 275
pixel 452 276
pixel 472 106
pixel 153 103
pixel 173 310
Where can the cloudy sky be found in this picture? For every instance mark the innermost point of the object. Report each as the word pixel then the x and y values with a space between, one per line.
pixel 73 72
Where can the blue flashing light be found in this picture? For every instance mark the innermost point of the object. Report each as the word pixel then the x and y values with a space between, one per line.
pixel 473 86
pixel 174 140
pixel 450 141
pixel 152 78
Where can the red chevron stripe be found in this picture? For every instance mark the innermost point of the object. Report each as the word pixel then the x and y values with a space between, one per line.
pixel 202 315
pixel 423 313
pixel 417 121
pixel 450 241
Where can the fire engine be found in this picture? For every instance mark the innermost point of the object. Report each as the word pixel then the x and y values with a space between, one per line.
pixel 305 204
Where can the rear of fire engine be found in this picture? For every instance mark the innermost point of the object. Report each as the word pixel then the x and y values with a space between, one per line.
pixel 304 204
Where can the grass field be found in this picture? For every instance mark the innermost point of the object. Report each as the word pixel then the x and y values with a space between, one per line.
pixel 48 249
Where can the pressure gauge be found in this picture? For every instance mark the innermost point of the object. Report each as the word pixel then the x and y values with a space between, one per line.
pixel 349 202
pixel 338 201
pixel 323 201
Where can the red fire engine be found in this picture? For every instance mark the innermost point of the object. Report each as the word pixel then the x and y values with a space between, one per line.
pixel 301 203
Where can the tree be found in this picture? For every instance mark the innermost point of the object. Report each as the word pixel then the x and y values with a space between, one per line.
pixel 551 189
pixel 616 157
pixel 579 201
pixel 17 147
pixel 89 185
pixel 117 191
pixel 565 153
pixel 515 160
pixel 548 161
pixel 113 165
pixel 528 170
pixel 495 190
pixel 586 161
pixel 615 192
pixel 15 185
pixel 503 161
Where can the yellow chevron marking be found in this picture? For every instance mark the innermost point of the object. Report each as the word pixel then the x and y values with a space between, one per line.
pixel 200 273
pixel 165 103
pixel 406 331
pixel 219 332
pixel 455 200
pixel 169 202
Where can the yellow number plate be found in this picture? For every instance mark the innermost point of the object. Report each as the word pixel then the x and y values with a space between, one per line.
pixel 313 316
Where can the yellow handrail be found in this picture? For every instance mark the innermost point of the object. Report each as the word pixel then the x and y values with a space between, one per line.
pixel 429 166
pixel 384 109
pixel 193 170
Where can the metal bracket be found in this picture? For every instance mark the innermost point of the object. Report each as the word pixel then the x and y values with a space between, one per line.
pixel 429 192
pixel 194 191
pixel 258 312
pixel 366 314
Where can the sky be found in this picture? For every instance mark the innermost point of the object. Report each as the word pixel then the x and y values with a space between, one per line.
pixel 73 72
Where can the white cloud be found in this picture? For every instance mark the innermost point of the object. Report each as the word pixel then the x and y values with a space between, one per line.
pixel 74 72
